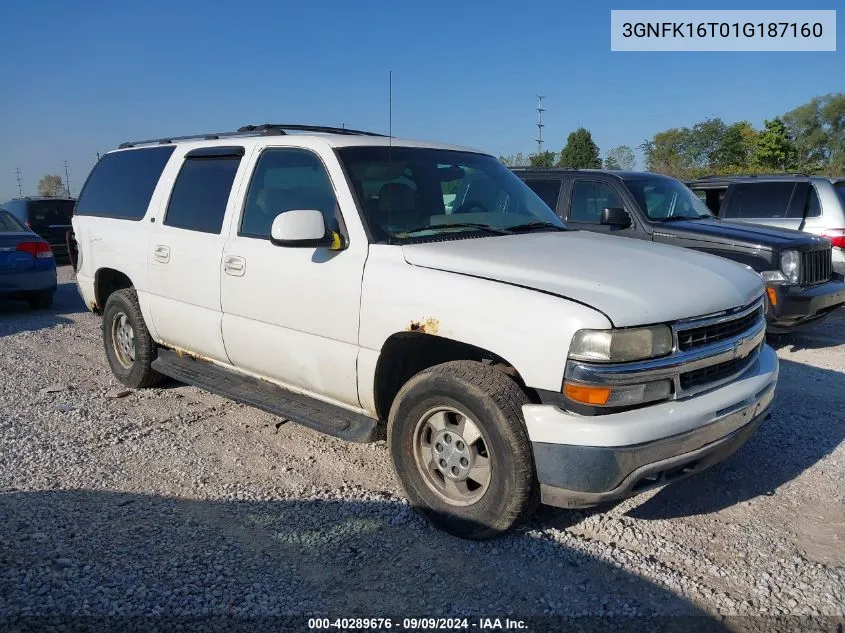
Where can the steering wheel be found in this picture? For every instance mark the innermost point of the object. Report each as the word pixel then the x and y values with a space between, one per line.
pixel 469 205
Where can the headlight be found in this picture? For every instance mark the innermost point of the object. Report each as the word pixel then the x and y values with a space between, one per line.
pixel 618 396
pixel 773 277
pixel 790 264
pixel 621 345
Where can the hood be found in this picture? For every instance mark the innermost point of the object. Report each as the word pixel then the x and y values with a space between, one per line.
pixel 632 282
pixel 738 234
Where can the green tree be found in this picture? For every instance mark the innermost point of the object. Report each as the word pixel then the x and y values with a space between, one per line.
pixel 51 186
pixel 514 160
pixel 543 159
pixel 580 151
pixel 774 148
pixel 668 152
pixel 817 130
pixel 622 157
pixel 736 147
pixel 703 140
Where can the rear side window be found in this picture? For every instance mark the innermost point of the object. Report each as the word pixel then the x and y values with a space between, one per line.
pixel 10 224
pixel 840 189
pixel 760 200
pixel 589 199
pixel 548 190
pixel 814 207
pixel 201 193
pixel 122 183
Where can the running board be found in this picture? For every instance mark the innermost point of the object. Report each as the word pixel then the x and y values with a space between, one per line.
pixel 315 414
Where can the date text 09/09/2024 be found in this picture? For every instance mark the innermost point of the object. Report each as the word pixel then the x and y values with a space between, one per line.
pixel 417 624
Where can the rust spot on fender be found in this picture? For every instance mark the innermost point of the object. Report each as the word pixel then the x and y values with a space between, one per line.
pixel 429 325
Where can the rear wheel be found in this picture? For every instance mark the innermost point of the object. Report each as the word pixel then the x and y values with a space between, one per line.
pixel 461 451
pixel 129 347
pixel 40 300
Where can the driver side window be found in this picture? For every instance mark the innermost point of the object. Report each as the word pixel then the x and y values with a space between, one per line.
pixel 589 199
pixel 287 179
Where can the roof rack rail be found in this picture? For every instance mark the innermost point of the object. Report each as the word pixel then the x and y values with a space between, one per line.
pixel 265 129
pixel 797 174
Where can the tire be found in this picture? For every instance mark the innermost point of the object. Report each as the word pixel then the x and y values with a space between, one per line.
pixel 129 357
pixel 40 300
pixel 461 394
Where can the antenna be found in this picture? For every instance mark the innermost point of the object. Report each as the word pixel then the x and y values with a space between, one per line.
pixel 390 106
pixel 540 110
pixel 18 174
pixel 67 180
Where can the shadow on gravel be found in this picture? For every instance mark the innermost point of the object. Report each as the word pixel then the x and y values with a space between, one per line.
pixel 17 316
pixel 828 333
pixel 806 425
pixel 243 565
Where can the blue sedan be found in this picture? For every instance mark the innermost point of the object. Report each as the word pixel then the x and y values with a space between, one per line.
pixel 27 265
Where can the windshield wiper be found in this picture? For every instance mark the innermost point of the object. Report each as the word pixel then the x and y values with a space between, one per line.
pixel 678 218
pixel 460 225
pixel 528 226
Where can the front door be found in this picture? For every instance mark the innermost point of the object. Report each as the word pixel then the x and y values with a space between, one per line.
pixel 290 314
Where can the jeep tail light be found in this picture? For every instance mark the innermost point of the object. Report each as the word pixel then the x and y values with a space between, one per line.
pixel 39 250
pixel 836 237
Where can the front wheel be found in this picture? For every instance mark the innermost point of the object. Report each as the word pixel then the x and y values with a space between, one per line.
pixel 129 347
pixel 461 451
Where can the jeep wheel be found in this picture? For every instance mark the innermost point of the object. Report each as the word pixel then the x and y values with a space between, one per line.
pixel 129 347
pixel 461 451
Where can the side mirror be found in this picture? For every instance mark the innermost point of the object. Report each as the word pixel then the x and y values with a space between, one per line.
pixel 304 228
pixel 615 217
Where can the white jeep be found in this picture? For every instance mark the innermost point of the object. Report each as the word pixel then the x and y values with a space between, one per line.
pixel 319 274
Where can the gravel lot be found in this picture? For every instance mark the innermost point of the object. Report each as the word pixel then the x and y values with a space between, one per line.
pixel 174 502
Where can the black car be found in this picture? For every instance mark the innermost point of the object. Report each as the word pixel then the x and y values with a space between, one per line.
pixel 47 217
pixel 801 284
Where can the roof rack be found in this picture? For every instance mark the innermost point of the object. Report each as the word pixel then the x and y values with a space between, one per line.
pixel 265 129
pixel 797 174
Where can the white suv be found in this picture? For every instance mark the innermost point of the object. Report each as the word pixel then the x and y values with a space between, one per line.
pixel 317 273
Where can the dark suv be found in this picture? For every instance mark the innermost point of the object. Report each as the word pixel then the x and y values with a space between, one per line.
pixel 813 204
pixel 796 267
pixel 47 217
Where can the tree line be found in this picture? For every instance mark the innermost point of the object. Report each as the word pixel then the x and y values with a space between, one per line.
pixel 809 138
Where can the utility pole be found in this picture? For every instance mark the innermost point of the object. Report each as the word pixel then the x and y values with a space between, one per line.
pixel 67 180
pixel 18 174
pixel 540 110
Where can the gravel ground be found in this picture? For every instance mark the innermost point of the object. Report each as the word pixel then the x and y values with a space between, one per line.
pixel 173 503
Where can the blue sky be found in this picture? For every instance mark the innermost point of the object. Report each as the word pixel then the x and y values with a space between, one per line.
pixel 80 77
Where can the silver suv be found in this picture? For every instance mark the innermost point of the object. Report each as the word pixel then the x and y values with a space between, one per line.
pixel 814 204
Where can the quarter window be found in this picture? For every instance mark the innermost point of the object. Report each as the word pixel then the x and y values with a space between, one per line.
pixel 201 193
pixel 121 185
pixel 589 199
pixel 284 180
pixel 814 207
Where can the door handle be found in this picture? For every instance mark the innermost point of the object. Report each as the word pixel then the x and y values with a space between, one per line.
pixel 162 253
pixel 234 265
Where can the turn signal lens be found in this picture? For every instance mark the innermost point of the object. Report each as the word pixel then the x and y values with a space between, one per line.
pixel 773 296
pixel 586 394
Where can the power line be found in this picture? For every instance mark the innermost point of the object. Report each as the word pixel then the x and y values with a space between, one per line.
pixel 18 174
pixel 540 110
pixel 67 180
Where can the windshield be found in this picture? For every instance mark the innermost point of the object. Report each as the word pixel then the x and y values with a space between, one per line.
pixel 10 224
pixel 410 193
pixel 665 198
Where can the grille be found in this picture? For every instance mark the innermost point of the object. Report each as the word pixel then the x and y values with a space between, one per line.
pixel 714 373
pixel 707 334
pixel 816 266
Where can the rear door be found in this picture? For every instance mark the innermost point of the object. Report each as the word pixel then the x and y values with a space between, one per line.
pixel 779 203
pixel 186 247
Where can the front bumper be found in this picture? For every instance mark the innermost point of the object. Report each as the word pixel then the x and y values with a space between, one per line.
pixel 796 307
pixel 585 460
